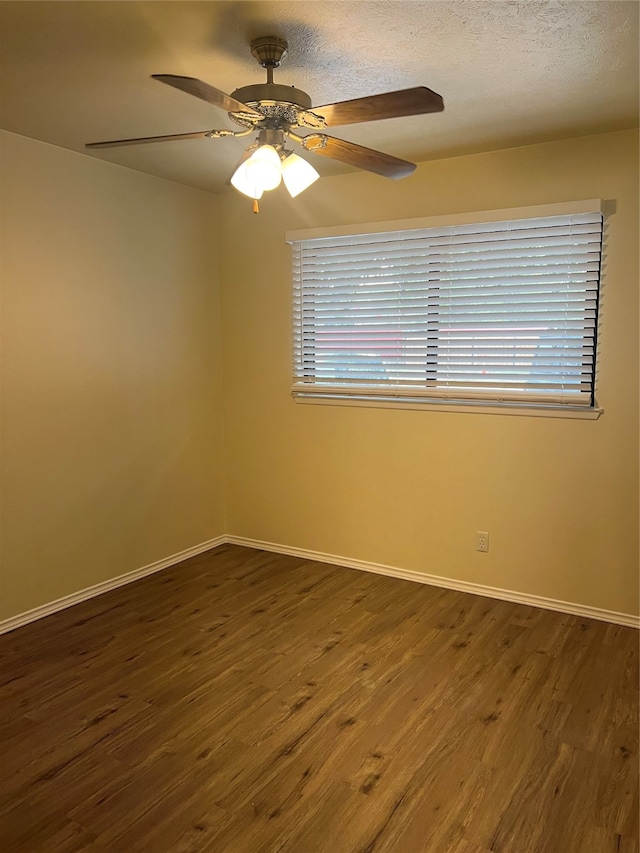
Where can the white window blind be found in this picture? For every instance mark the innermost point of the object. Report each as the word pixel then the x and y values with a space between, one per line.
pixel 500 311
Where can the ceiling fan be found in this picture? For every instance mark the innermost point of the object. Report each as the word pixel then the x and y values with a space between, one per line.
pixel 276 113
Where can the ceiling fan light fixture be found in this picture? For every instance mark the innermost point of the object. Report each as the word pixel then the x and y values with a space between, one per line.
pixel 267 167
pixel 276 111
pixel 297 174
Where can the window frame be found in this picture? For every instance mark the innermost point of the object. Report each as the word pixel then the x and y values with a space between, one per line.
pixel 387 397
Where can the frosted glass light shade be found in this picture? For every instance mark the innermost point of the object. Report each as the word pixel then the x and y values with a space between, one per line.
pixel 297 174
pixel 244 183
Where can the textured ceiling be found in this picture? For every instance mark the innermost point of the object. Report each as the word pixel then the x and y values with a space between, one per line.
pixel 511 72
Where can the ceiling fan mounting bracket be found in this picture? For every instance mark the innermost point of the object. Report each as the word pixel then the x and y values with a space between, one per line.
pixel 220 134
pixel 314 142
pixel 269 51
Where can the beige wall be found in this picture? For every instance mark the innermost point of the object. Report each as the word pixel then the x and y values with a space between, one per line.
pixel 113 453
pixel 409 488
pixel 111 383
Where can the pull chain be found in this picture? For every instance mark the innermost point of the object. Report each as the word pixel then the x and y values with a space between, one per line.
pixel 256 209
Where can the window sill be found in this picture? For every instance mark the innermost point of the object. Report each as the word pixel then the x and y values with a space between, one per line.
pixel 531 410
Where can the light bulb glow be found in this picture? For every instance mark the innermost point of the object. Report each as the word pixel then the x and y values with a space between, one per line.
pixel 297 174
pixel 263 168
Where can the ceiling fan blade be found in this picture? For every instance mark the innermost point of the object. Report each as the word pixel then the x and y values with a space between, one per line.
pixel 405 102
pixel 358 155
pixel 202 90
pixel 174 137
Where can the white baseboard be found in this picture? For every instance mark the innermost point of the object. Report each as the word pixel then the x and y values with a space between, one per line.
pixel 320 557
pixel 105 586
pixel 445 583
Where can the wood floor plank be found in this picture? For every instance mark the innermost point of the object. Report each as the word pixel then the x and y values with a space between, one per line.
pixel 249 702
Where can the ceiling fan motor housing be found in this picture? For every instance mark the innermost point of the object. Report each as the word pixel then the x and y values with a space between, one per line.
pixel 272 93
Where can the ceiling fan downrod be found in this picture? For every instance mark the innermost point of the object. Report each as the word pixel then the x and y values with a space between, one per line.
pixel 269 51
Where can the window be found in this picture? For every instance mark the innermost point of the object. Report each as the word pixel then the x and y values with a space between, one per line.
pixel 493 308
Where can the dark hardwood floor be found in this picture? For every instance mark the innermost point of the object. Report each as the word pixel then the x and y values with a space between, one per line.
pixel 246 702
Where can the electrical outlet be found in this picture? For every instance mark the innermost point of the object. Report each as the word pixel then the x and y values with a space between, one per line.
pixel 482 540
